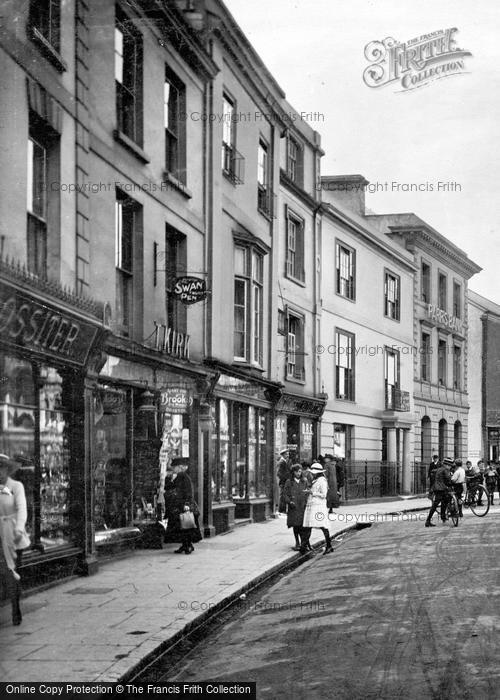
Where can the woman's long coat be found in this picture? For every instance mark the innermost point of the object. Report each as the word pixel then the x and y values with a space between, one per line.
pixel 316 511
pixel 295 499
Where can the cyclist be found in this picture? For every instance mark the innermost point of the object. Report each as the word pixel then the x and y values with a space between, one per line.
pixel 442 484
pixel 458 479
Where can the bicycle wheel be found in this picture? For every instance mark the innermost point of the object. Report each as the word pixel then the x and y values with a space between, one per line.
pixel 479 501
pixel 452 510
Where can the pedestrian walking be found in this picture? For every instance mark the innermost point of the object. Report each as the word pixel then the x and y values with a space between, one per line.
pixel 295 494
pixel 442 482
pixel 283 474
pixel 184 509
pixel 458 481
pixel 13 535
pixel 332 497
pixel 340 475
pixel 490 477
pixel 316 511
pixel 480 479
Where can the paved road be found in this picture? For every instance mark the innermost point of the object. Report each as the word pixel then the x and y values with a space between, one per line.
pixel 397 611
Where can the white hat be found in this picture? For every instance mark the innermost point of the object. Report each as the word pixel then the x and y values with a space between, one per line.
pixel 316 468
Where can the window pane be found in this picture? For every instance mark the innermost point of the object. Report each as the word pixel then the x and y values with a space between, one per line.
pixel 222 488
pixel 240 261
pixel 240 320
pixel 262 165
pixel 54 460
pixel 18 403
pixel 257 266
pixel 252 452
pixel 112 483
pixel 257 303
pixel 228 122
pixel 118 55
pixel 37 178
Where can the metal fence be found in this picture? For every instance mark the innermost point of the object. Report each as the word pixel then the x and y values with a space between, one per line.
pixel 370 479
pixel 419 482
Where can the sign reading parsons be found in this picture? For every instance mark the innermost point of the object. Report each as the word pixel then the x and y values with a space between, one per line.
pixel 28 323
pixel 443 318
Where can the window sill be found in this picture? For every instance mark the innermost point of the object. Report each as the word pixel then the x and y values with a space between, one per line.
pixel 177 184
pixel 265 214
pixel 391 318
pixel 219 505
pixel 293 379
pixel 248 365
pixel 48 50
pixel 343 296
pixel 130 145
pixel 297 281
pixel 251 499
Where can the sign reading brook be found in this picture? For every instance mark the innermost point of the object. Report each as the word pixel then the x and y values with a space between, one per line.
pixel 416 62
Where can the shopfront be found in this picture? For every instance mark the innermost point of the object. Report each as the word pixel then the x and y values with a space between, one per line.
pixel 146 412
pixel 47 342
pixel 241 475
pixel 296 426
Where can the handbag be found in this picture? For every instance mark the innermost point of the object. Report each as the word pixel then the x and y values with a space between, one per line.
pixel 23 541
pixel 187 520
pixel 194 508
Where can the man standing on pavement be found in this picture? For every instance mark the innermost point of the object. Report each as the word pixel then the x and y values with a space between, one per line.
pixel 442 482
pixel 431 472
pixel 458 479
pixel 283 474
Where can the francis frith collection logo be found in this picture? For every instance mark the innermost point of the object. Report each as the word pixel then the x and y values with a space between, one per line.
pixel 414 63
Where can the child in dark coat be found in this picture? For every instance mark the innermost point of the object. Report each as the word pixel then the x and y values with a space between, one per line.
pixel 295 498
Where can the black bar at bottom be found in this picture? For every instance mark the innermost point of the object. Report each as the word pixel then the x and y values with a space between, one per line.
pixel 181 691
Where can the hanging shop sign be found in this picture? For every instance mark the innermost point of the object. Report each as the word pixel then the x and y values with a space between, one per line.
pixel 176 400
pixel 39 327
pixel 190 290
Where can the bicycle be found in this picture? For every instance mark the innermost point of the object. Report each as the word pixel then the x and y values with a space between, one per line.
pixel 452 509
pixel 476 498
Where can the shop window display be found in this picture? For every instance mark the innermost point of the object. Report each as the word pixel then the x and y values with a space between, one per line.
pixel 54 460
pixel 241 444
pixel 34 429
pixel 112 482
pixel 220 476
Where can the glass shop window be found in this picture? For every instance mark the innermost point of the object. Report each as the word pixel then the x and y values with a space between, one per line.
pixel 54 460
pixel 30 416
pixel 112 480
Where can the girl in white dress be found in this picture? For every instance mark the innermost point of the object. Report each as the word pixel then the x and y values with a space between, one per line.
pixel 316 512
pixel 13 535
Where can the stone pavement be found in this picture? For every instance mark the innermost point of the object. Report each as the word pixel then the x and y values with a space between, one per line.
pixel 99 628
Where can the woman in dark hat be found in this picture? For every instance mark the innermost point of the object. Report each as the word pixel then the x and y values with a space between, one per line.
pixel 13 536
pixel 183 502
pixel 295 496
pixel 316 511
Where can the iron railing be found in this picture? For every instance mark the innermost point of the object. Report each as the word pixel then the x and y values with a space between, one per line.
pixel 266 202
pixel 396 399
pixel 233 164
pixel 419 481
pixel 369 479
